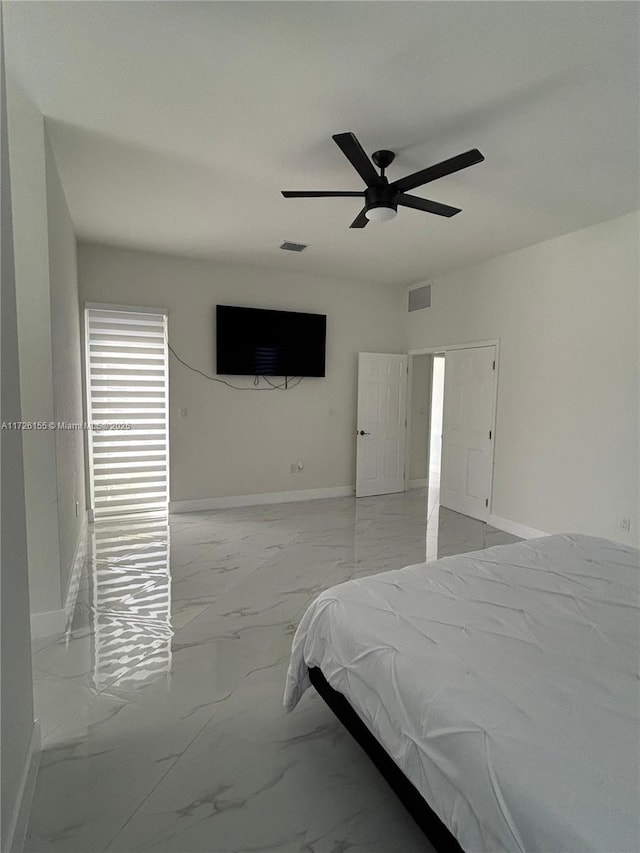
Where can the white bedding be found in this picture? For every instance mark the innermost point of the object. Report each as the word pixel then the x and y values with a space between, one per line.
pixel 504 683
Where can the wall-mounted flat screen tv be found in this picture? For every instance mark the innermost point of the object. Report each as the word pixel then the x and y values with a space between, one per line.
pixel 261 342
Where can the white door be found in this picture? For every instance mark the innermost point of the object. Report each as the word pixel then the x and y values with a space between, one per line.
pixel 467 431
pixel 381 426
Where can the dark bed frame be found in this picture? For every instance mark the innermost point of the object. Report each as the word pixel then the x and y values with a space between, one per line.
pixel 436 832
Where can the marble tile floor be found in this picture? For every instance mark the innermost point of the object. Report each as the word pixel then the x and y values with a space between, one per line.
pixel 161 708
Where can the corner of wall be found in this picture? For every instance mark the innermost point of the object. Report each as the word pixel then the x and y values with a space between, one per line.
pixel 20 735
pixel 19 821
pixel 26 145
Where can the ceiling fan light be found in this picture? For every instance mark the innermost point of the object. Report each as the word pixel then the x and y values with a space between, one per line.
pixel 380 213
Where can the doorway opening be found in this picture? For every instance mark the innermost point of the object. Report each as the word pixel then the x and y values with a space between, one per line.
pixel 451 429
pixel 435 430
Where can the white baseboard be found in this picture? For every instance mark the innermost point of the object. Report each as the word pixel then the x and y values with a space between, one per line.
pixel 200 504
pixel 418 484
pixel 17 831
pixel 514 527
pixel 56 621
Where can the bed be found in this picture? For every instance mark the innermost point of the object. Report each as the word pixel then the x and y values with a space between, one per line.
pixel 502 685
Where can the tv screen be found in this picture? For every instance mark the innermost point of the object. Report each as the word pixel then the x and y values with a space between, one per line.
pixel 260 342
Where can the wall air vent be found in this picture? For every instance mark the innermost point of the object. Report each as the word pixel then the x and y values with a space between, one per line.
pixel 420 298
pixel 293 247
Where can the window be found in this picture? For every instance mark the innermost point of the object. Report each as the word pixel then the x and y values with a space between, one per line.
pixel 127 404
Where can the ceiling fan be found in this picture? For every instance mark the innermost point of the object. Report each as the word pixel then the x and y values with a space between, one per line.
pixel 381 198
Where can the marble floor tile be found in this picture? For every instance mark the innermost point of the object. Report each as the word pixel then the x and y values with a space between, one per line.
pixel 161 707
pixel 39 643
pixel 99 765
pixel 56 700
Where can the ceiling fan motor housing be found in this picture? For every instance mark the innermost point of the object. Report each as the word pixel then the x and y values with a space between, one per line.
pixel 381 196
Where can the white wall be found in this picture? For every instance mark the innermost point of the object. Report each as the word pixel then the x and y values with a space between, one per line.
pixel 67 369
pixel 16 693
pixel 50 359
pixel 29 199
pixel 566 314
pixel 239 443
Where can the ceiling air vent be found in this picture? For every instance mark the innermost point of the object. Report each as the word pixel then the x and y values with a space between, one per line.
pixel 420 298
pixel 293 247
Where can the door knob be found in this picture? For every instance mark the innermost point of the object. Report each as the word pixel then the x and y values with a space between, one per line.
pixel 362 432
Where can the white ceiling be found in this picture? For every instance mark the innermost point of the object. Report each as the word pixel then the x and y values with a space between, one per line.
pixel 176 124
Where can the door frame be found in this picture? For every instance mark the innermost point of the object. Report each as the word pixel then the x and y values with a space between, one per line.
pixel 444 348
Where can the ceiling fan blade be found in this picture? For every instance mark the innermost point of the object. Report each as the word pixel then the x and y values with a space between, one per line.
pixel 354 152
pixel 319 194
pixel 426 205
pixel 360 221
pixel 440 170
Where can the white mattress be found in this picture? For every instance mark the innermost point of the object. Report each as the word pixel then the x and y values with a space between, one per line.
pixel 504 683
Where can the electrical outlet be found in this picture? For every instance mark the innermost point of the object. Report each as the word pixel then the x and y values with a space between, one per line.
pixel 625 525
pixel 294 468
pixel 184 413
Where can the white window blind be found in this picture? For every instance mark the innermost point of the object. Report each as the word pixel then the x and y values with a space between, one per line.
pixel 127 395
